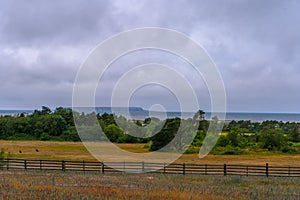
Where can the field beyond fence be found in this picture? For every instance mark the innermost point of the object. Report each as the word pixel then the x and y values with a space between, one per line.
pixel 141 167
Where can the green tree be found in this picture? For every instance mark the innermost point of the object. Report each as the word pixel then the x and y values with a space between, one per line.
pixel 233 136
pixel 295 135
pixel 199 115
pixel 70 134
pixel 113 132
pixel 22 125
pixel 203 124
pixel 7 127
pixel 54 125
pixel 272 139
pixel 200 135
pixel 223 141
pixel 107 119
pixel 165 136
pixel 45 110
pixel 65 113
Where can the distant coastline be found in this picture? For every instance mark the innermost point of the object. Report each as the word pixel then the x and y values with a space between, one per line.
pixel 140 114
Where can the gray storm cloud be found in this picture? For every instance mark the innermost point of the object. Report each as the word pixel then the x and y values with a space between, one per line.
pixel 255 44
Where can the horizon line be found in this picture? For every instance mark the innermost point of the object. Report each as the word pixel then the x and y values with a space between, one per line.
pixel 238 112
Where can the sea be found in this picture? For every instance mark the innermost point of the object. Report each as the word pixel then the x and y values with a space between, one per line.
pixel 139 113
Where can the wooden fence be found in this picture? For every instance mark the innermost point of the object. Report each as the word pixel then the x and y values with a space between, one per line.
pixel 139 167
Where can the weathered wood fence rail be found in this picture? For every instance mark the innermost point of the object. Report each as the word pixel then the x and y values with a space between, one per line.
pixel 139 167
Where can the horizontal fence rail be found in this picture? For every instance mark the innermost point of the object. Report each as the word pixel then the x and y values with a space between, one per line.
pixel 140 167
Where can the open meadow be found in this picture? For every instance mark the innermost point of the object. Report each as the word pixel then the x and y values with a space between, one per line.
pixel 75 185
pixel 77 151
pixel 44 184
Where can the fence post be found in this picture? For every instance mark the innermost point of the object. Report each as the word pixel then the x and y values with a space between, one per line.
pixel 7 165
pixel 40 164
pixel 25 164
pixel 164 168
pixel 63 166
pixel 83 166
pixel 205 169
pixel 143 167
pixel 267 169
pixel 183 168
pixel 225 170
pixel 102 167
pixel 289 171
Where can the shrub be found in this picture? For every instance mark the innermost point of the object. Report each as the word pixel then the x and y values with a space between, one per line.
pixel 148 145
pixel 230 150
pixel 272 139
pixel 288 149
pixel 45 136
pixel 223 141
pixel 192 149
pixel 2 154
pixel 113 132
pixel 1 157
pixel 21 136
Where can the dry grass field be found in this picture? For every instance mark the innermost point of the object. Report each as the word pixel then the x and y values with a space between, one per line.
pixel 74 185
pixel 77 151
pixel 32 184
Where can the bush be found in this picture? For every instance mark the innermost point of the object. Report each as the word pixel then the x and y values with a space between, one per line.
pixel 148 145
pixel 21 136
pixel 288 149
pixel 1 157
pixel 45 137
pixel 113 133
pixel 2 154
pixel 272 139
pixel 223 141
pixel 294 144
pixel 230 150
pixel 70 135
pixel 192 149
pixel 165 135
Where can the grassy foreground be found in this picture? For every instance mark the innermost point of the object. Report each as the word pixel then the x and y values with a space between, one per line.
pixel 94 185
pixel 71 185
pixel 77 151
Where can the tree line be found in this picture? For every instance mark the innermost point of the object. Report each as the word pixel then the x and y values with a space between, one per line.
pixel 237 137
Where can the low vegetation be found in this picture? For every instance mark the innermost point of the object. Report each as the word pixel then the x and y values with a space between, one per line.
pixel 71 185
pixel 76 151
pixel 238 137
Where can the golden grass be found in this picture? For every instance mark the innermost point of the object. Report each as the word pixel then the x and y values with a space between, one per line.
pixel 251 159
pixel 77 151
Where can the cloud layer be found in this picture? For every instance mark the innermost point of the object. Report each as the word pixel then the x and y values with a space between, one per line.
pixel 255 44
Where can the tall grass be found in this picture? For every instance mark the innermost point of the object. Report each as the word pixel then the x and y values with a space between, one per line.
pixel 74 185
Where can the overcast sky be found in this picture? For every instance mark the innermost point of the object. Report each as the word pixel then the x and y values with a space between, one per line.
pixel 255 45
